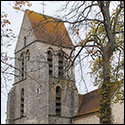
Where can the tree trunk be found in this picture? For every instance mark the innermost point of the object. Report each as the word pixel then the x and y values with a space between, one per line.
pixel 105 102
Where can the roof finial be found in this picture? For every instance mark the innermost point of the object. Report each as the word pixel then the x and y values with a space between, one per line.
pixel 43 6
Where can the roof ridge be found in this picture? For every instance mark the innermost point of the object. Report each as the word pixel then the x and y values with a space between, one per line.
pixel 43 14
pixel 52 30
pixel 89 92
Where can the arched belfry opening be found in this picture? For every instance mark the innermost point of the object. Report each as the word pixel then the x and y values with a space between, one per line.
pixel 61 64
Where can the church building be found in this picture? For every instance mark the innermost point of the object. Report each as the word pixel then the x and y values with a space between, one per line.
pixel 44 91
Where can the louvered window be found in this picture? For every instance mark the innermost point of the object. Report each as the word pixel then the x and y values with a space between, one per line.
pixel 58 100
pixel 50 62
pixel 22 103
pixel 60 65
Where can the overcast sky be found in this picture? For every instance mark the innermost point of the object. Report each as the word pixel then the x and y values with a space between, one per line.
pixel 16 17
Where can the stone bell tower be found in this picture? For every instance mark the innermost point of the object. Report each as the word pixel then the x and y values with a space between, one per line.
pixel 44 91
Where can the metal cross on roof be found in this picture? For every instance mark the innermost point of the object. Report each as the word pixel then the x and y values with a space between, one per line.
pixel 43 6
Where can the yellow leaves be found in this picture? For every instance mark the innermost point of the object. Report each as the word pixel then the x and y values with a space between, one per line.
pixel 16 8
pixel 96 28
pixel 18 5
pixel 5 22
pixel 93 27
pixel 92 2
pixel 87 40
pixel 120 82
pixel 96 64
pixel 101 29
pixel 4 57
pixel 29 5
pixel 122 35
pixel 76 31
pixel 4 16
pixel 100 3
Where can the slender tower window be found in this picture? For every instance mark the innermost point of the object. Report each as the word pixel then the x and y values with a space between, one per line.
pixel 24 41
pixel 22 66
pixel 27 58
pixel 58 101
pixel 22 103
pixel 50 62
pixel 27 55
pixel 60 65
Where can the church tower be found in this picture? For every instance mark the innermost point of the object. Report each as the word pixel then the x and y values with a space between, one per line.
pixel 44 90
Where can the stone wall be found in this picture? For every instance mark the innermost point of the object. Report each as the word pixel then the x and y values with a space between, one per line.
pixel 11 106
pixel 118 113
pixel 44 47
pixel 38 104
pixel 69 99
pixel 59 120
pixel 87 119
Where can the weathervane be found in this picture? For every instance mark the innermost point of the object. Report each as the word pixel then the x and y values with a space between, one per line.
pixel 43 6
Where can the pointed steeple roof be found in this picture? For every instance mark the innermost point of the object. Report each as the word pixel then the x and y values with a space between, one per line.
pixel 48 29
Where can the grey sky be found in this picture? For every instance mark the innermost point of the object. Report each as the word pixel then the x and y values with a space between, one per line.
pixel 16 17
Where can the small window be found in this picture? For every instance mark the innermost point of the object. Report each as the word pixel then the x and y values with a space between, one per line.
pixel 24 41
pixel 60 64
pixel 38 90
pixel 22 66
pixel 27 55
pixel 58 101
pixel 50 62
pixel 22 103
pixel 27 58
